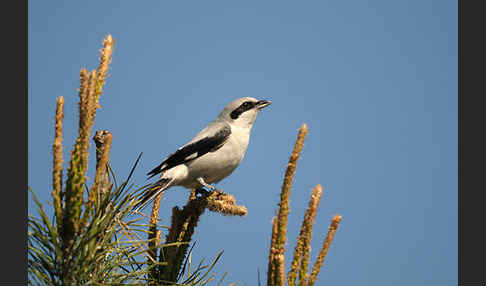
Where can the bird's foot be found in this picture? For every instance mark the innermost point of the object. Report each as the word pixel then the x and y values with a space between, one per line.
pixel 204 184
pixel 201 192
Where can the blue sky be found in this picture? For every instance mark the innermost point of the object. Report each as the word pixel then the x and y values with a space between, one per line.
pixel 375 81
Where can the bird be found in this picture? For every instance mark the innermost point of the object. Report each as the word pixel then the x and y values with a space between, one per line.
pixel 212 155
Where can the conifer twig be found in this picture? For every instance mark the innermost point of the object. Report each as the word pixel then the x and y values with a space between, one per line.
pixel 57 163
pixel 284 208
pixel 302 249
pixel 154 218
pixel 79 156
pixel 102 183
pixel 307 226
pixel 272 252
pixel 154 238
pixel 181 230
pixel 225 204
pixel 83 98
pixel 79 161
pixel 280 258
pixel 105 60
pixel 325 248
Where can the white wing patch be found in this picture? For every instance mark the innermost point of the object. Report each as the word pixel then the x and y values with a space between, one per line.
pixel 190 157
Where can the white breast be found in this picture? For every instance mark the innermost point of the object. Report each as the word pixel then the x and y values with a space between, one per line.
pixel 215 166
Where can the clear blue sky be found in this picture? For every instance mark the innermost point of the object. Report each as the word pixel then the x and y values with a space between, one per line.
pixel 376 82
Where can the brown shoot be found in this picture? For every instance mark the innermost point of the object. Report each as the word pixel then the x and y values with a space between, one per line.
pixel 302 249
pixel 105 60
pixel 325 248
pixel 102 141
pixel 273 251
pixel 284 208
pixel 57 162
pixel 181 230
pixel 308 224
pixel 280 258
pixel 79 161
pixel 152 235
pixel 225 204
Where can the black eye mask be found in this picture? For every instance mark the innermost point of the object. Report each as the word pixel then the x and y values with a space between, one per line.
pixel 245 106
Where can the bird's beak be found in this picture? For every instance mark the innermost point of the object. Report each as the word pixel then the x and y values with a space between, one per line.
pixel 263 103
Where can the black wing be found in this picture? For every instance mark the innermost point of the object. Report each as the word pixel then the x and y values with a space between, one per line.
pixel 193 150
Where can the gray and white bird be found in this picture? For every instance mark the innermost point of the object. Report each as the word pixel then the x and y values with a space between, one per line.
pixel 212 155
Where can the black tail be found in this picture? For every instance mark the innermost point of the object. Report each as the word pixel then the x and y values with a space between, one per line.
pixel 151 192
pixel 155 171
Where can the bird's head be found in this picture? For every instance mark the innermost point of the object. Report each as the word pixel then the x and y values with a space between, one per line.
pixel 243 111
